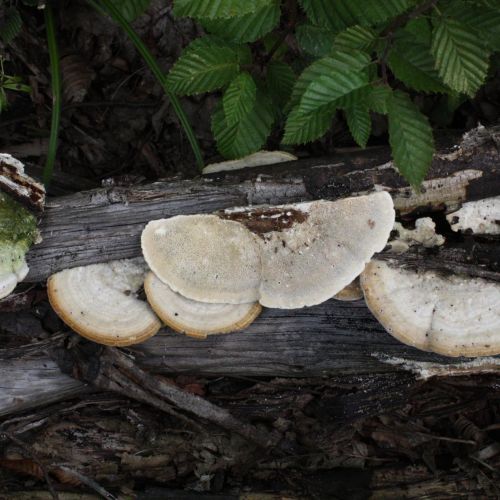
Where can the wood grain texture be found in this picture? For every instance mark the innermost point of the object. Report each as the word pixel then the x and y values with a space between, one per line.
pixel 105 224
pixel 32 382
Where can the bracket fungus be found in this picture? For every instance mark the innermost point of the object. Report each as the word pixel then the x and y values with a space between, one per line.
pixel 99 302
pixel 204 258
pixel 194 318
pixel 287 256
pixel 350 293
pixel 254 160
pixel 449 315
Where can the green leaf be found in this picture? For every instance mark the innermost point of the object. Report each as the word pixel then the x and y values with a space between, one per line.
pixel 359 122
pixel 301 128
pixel 316 41
pixel 412 63
pixel 206 64
pixel 460 56
pixel 485 21
pixel 339 74
pixel 356 37
pixel 410 136
pixel 213 9
pixel 419 30
pixel 246 136
pixel 280 80
pixel 239 98
pixel 131 9
pixel 378 97
pixel 11 25
pixel 246 28
pixel 339 14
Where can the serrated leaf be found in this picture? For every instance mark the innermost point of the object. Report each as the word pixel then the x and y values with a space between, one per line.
pixel 484 20
pixel 239 98
pixel 11 25
pixel 247 135
pixel 378 97
pixel 316 41
pixel 213 9
pixel 355 37
pixel 280 80
pixel 246 28
pixel 412 63
pixel 131 9
pixel 410 137
pixel 340 14
pixel 460 56
pixel 301 128
pixel 339 74
pixel 206 64
pixel 360 124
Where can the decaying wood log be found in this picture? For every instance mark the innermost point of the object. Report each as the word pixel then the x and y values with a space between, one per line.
pixel 105 224
pixel 328 339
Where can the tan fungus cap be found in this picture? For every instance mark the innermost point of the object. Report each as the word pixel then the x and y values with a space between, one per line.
pixel 313 259
pixel 204 258
pixel 197 319
pixel 99 302
pixel 453 315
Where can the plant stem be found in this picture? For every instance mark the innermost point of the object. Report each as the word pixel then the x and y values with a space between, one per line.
pixel 56 94
pixel 116 15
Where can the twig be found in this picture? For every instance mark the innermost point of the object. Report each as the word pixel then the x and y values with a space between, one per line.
pixel 32 455
pixel 88 482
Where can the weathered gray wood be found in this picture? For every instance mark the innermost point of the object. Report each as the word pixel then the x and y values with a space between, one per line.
pixel 331 339
pixel 105 224
pixel 28 383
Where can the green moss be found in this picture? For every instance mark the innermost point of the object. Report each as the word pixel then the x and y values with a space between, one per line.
pixel 12 256
pixel 17 225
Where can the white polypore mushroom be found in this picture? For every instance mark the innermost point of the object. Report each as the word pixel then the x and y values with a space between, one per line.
pixel 325 247
pixel 204 258
pixel 287 256
pixel 452 315
pixel 254 160
pixel 99 302
pixel 480 217
pixel 197 319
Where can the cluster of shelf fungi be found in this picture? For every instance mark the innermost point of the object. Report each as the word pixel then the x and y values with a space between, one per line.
pixel 206 274
pixel 424 281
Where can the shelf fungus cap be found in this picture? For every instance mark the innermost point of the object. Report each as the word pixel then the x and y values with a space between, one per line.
pixel 313 250
pixel 204 258
pixel 99 302
pixel 453 315
pixel 254 160
pixel 197 319
pixel 350 293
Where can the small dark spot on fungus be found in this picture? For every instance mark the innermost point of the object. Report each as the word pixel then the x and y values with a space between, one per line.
pixel 371 223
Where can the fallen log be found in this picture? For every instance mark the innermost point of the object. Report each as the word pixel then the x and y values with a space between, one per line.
pixel 105 224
